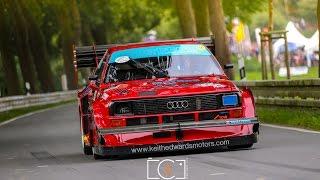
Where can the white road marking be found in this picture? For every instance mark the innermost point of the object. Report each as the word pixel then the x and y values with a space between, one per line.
pixel 291 128
pixel 217 174
pixel 22 169
pixel 42 166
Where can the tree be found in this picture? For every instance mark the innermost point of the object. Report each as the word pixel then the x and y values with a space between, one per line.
pixel 243 9
pixel 98 14
pixel 7 58
pixel 38 48
pixel 186 18
pixel 218 28
pixel 26 62
pixel 67 18
pixel 200 9
pixel 131 20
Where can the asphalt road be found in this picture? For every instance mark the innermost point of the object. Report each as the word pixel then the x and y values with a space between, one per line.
pixel 47 146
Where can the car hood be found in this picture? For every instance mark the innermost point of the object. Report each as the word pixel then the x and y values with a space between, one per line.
pixel 163 87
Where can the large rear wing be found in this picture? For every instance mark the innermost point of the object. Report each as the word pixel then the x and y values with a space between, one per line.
pixel 89 56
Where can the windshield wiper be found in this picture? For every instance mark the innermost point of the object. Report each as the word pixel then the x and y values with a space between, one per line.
pixel 152 70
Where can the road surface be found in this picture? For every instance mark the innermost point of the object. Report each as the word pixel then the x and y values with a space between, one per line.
pixel 46 146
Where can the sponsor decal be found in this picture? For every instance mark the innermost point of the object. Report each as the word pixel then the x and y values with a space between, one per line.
pixel 122 59
pixel 105 96
pixel 237 122
pixel 182 146
pixel 124 110
pixel 209 84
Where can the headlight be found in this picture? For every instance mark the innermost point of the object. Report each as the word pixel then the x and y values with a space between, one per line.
pixel 230 100
pixel 121 108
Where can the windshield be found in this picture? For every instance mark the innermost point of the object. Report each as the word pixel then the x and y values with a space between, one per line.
pixel 185 65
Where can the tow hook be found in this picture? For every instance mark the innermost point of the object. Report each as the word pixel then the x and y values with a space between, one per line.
pixel 179 133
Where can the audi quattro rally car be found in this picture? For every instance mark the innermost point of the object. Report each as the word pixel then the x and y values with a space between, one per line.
pixel 161 97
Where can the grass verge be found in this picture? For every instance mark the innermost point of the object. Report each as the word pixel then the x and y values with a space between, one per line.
pixel 21 111
pixel 307 118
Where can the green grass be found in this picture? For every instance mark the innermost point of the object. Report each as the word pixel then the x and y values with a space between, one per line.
pixel 21 111
pixel 253 71
pixel 307 118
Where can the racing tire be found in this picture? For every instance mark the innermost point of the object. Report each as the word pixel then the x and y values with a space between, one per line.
pixel 87 150
pixel 96 156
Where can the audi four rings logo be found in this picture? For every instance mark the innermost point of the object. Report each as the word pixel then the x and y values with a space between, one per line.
pixel 177 104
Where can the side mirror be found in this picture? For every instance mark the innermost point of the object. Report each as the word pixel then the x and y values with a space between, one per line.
pixel 228 66
pixel 93 77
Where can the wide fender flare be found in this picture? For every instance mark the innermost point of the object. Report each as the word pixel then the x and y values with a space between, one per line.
pixel 100 112
pixel 248 103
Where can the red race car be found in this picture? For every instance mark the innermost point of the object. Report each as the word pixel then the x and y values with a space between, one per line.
pixel 161 97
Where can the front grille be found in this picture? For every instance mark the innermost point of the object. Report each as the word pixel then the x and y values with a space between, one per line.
pixel 160 105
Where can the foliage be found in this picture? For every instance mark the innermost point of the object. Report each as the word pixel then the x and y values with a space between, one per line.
pixel 285 11
pixel 168 27
pixel 243 9
pixel 308 118
pixel 132 19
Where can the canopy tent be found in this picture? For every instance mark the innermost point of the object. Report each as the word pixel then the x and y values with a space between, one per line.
pixel 296 40
pixel 293 37
pixel 313 43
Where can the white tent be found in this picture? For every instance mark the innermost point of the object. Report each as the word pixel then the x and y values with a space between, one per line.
pixel 312 46
pixel 313 43
pixel 293 36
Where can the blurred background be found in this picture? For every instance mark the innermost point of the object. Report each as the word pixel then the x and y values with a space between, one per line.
pixel 37 36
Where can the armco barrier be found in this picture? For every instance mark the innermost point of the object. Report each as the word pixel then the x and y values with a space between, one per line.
pixel 14 102
pixel 305 93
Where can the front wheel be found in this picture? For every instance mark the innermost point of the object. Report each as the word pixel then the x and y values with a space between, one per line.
pixel 87 150
pixel 96 156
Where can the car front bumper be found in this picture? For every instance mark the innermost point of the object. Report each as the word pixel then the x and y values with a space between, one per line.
pixel 182 136
pixel 212 144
